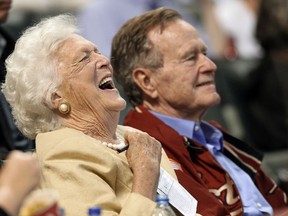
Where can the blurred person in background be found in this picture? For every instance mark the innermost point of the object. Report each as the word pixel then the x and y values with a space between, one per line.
pixel 238 35
pixel 10 137
pixel 268 92
pixel 161 62
pixel 4 9
pixel 19 176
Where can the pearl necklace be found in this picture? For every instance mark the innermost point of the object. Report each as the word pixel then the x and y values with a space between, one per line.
pixel 119 147
pixel 114 146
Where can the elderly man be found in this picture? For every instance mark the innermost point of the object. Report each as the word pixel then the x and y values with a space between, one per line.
pixel 161 62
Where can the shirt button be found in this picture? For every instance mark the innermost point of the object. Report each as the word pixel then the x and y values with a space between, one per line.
pixel 196 128
pixel 259 205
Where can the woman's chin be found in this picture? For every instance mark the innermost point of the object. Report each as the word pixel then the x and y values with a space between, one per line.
pixel 124 104
pixel 121 105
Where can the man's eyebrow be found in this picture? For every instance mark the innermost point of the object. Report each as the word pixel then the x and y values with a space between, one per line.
pixel 189 51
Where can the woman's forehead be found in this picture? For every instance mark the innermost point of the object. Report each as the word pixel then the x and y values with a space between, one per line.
pixel 73 46
pixel 77 42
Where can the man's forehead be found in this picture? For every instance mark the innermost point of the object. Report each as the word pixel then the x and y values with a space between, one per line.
pixel 178 31
pixel 171 27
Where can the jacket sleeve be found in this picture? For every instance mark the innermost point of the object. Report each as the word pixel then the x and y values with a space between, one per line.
pixel 92 175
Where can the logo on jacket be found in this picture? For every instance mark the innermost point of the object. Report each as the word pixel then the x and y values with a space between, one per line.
pixel 228 189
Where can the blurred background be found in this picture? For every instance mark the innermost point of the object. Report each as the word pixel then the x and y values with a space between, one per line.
pixel 247 39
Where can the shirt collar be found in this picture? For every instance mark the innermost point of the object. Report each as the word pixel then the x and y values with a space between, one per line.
pixel 213 135
pixel 203 132
pixel 182 126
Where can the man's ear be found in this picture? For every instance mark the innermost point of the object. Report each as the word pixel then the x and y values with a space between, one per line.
pixel 144 79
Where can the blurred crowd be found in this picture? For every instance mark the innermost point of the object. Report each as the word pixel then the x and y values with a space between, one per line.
pixel 247 39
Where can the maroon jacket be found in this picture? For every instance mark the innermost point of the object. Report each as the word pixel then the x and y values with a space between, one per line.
pixel 201 174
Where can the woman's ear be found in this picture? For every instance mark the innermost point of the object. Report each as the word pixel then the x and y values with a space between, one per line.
pixel 145 81
pixel 60 104
pixel 56 100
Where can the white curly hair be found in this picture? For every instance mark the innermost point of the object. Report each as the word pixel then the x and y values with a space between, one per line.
pixel 32 75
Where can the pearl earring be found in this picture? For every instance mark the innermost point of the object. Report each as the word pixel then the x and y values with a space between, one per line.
pixel 64 108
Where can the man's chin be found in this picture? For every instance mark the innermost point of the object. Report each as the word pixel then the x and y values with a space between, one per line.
pixel 215 99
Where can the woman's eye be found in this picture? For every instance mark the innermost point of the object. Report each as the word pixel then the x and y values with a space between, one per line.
pixel 191 57
pixel 84 58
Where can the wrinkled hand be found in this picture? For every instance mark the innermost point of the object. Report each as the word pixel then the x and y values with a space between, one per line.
pixel 144 157
pixel 19 176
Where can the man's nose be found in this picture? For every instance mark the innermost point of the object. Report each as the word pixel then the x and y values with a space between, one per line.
pixel 207 65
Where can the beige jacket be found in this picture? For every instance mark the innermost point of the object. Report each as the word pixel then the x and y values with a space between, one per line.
pixel 86 173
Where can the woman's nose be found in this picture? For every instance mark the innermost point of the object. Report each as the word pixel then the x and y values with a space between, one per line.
pixel 102 61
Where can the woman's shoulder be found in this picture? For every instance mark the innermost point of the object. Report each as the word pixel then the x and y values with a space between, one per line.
pixel 52 138
pixel 65 140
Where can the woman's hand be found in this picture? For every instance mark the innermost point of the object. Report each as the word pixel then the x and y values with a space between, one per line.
pixel 144 157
